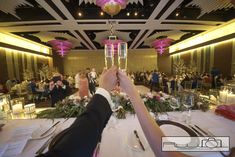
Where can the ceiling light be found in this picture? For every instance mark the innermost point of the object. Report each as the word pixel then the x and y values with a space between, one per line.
pixel 128 14
pixel 177 14
pixel 102 13
pixel 136 14
pixel 79 14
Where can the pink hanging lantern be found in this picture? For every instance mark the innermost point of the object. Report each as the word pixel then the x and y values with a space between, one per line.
pixel 61 46
pixel 161 45
pixel 112 7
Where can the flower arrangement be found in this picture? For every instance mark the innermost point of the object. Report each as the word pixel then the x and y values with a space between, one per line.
pixel 160 103
pixel 65 109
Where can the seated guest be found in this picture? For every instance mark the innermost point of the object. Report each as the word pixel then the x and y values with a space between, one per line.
pixel 9 85
pixel 3 89
pixel 83 85
pixel 219 81
pixel 81 138
pixel 34 89
pixel 57 90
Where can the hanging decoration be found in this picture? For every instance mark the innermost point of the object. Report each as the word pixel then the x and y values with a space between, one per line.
pixel 112 7
pixel 161 45
pixel 61 46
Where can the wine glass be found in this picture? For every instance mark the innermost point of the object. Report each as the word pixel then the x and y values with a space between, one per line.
pixel 175 103
pixel 188 103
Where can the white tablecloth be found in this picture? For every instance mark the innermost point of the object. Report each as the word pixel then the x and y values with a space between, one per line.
pixel 115 136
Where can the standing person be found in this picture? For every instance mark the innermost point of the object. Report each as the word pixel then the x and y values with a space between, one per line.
pixel 88 70
pixel 92 83
pixel 93 74
pixel 214 72
pixel 57 90
pixel 154 81
pixel 83 85
pixel 76 78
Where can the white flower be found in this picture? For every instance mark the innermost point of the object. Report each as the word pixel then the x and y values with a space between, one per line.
pixel 144 99
pixel 162 99
pixel 150 95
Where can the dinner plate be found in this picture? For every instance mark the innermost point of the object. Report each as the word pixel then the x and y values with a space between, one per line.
pixel 171 128
pixel 133 142
pixel 36 135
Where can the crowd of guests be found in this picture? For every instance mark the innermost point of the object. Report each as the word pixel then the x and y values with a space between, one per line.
pixel 56 88
pixel 84 84
pixel 160 81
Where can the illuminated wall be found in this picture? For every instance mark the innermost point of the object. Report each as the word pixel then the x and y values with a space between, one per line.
pixel 221 56
pixel 18 54
pixel 13 63
pixel 138 60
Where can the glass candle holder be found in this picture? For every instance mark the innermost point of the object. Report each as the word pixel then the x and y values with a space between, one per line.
pixel 17 105
pixel 29 108
pixel 5 103
pixel 223 94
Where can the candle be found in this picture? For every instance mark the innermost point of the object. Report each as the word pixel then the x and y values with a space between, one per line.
pixel 223 95
pixel 17 108
pixel 230 98
pixel 30 108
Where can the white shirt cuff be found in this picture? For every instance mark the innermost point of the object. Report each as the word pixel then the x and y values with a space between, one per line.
pixel 105 93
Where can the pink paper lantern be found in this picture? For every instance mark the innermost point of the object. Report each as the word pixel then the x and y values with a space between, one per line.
pixel 161 45
pixel 61 46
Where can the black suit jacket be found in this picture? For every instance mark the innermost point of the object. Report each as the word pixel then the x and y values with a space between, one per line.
pixel 83 135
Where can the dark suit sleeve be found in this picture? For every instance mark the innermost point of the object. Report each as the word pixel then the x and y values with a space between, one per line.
pixel 83 135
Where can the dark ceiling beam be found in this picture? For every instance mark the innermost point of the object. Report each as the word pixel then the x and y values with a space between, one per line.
pixel 156 24
pixel 68 15
pixel 156 11
pixel 51 11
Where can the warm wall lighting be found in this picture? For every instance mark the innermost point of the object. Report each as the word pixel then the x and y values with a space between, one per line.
pixel 102 13
pixel 215 44
pixel 136 14
pixel 128 14
pixel 7 50
pixel 218 32
pixel 23 43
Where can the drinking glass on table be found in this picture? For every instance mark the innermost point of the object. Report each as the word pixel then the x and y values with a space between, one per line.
pixel 188 103
pixel 174 104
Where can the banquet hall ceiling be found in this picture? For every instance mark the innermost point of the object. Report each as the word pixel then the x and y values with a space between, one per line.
pixel 80 21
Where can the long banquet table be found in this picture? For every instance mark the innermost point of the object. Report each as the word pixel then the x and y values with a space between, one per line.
pixel 115 136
